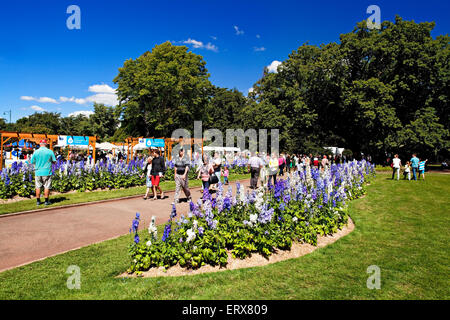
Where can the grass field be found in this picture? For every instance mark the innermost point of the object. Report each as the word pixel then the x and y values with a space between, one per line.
pixel 401 226
pixel 82 197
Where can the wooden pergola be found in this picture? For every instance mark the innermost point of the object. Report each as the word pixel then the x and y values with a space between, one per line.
pixel 8 136
pixel 171 141
pixel 131 142
pixel 92 142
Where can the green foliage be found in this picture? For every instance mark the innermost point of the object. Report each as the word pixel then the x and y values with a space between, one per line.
pixel 377 91
pixel 163 90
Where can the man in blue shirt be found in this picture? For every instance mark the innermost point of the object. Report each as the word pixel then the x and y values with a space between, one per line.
pixel 414 165
pixel 42 160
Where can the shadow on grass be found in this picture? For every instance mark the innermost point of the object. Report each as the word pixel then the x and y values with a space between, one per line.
pixel 56 200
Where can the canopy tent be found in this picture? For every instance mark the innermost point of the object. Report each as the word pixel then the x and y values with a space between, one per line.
pixel 106 146
pixel 335 150
pixel 226 149
pixel 141 146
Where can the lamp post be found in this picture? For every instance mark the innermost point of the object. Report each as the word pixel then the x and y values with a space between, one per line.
pixel 6 112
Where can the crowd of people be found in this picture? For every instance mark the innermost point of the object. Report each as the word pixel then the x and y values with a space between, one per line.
pixel 263 168
pixel 414 165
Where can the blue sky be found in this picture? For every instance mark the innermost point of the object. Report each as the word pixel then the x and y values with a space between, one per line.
pixel 46 66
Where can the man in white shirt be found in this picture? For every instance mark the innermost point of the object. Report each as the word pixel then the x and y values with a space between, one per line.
pixel 396 164
pixel 254 165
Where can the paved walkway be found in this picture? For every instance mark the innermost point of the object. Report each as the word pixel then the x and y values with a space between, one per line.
pixel 35 236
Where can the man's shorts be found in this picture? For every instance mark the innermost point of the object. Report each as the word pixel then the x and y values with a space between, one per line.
pixel 45 181
pixel 155 180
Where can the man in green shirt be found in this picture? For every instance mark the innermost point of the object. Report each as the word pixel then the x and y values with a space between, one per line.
pixel 42 160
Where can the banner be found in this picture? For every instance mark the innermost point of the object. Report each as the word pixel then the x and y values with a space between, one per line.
pixel 155 143
pixel 73 141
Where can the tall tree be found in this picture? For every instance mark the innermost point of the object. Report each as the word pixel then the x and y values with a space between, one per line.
pixel 162 90
pixel 104 121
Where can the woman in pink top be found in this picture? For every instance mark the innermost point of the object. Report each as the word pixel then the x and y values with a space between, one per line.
pixel 281 163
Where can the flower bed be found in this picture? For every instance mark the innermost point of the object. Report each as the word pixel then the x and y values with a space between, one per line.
pixel 77 176
pixel 71 176
pixel 308 204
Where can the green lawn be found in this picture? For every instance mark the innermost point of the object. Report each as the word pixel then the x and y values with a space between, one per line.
pixel 82 197
pixel 401 226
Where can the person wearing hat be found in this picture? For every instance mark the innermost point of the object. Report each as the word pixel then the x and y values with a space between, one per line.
pixel 42 159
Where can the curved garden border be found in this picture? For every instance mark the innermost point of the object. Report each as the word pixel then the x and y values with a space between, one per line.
pixel 256 260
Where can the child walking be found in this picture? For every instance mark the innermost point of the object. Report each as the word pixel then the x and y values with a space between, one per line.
pixel 225 175
pixel 422 168
pixel 407 171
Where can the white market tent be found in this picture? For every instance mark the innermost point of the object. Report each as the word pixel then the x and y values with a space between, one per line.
pixel 223 149
pixel 142 146
pixel 106 146
pixel 335 150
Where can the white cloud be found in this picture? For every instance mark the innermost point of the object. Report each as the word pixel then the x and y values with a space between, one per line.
pixel 201 45
pixel 258 49
pixel 101 88
pixel 238 32
pixel 213 37
pixel 37 108
pixel 104 94
pixel 41 99
pixel 258 36
pixel 105 98
pixel 273 66
pixel 73 99
pixel 84 113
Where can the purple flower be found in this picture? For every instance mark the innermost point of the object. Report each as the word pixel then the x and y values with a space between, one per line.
pixel 167 230
pixel 227 204
pixel 173 214
pixel 136 238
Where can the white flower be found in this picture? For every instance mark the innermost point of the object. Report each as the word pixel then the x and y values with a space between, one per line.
pixel 242 194
pixel 195 224
pixel 294 219
pixel 149 243
pixel 190 235
pixel 253 218
pixel 152 228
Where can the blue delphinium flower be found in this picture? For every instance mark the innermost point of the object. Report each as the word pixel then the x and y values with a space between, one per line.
pixel 173 214
pixel 136 238
pixel 227 203
pixel 166 233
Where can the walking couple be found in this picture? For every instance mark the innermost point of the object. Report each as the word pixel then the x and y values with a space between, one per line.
pixel 154 170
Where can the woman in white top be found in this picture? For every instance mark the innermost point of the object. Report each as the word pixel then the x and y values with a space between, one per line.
pixel 396 165
pixel 147 172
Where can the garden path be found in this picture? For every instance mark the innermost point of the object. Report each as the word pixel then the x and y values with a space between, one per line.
pixel 25 238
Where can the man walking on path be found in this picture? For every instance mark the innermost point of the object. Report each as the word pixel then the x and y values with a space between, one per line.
pixel 181 176
pixel 414 165
pixel 42 160
pixel 254 164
